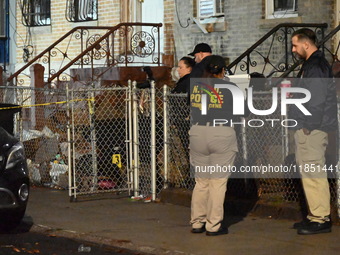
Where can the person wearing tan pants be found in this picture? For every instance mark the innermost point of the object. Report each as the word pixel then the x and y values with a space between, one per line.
pixel 310 157
pixel 212 148
pixel 311 137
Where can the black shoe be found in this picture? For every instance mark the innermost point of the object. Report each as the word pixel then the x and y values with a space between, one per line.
pixel 198 230
pixel 301 224
pixel 315 228
pixel 221 231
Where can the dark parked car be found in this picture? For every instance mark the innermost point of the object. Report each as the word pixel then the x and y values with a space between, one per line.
pixel 14 181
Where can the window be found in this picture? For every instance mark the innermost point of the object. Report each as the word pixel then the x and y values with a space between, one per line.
pixel 36 12
pixel 281 9
pixel 81 10
pixel 3 33
pixel 210 8
pixel 2 18
pixel 284 5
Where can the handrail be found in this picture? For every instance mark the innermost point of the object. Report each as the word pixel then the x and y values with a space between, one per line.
pixel 51 47
pixel 329 36
pixel 97 42
pixel 319 44
pixel 270 33
pixel 110 28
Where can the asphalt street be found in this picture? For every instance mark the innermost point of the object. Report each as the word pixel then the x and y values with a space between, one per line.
pixel 24 241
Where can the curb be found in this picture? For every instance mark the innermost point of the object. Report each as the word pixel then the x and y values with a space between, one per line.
pixel 88 238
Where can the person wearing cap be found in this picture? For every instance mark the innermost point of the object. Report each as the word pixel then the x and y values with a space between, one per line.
pixel 211 146
pixel 201 51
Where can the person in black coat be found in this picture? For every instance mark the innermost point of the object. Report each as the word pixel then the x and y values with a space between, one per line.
pixel 184 69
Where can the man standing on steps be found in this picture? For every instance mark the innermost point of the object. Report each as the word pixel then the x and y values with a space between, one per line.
pixel 201 51
pixel 311 137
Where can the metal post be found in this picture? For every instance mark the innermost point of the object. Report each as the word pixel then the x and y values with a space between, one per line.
pixel 129 137
pixel 338 166
pixel 165 130
pixel 285 138
pixel 72 145
pixel 135 140
pixel 69 153
pixel 244 149
pixel 153 141
pixel 93 141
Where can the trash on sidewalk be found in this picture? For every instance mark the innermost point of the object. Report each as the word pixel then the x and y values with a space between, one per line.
pixel 136 198
pixel 59 174
pixel 83 248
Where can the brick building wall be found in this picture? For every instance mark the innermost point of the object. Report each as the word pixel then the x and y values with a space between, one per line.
pixel 244 20
pixel 42 37
pixel 245 24
pixel 109 14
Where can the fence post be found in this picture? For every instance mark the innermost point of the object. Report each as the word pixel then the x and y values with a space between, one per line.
pixel 69 152
pixel 338 166
pixel 1 76
pixel 37 81
pixel 153 141
pixel 135 140
pixel 129 136
pixel 91 105
pixel 165 130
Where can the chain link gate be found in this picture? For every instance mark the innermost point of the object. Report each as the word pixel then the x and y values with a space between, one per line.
pixel 148 142
pixel 99 141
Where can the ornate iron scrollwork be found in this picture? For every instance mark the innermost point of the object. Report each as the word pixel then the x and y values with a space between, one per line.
pixel 100 50
pixel 142 44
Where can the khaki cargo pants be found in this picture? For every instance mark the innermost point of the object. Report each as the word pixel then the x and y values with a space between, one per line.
pixel 210 146
pixel 310 159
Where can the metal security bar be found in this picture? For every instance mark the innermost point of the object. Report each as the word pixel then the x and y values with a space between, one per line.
pixel 81 10
pixel 36 12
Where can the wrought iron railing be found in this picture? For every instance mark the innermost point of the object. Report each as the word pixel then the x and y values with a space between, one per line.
pixel 95 50
pixel 271 55
pixel 330 51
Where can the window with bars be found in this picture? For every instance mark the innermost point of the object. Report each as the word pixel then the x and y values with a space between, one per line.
pixel 281 8
pixel 36 12
pixel 285 5
pixel 81 10
pixel 210 8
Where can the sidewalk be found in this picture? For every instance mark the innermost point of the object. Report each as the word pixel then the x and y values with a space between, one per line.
pixel 159 228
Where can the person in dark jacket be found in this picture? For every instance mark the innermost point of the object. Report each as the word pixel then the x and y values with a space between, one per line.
pixel 201 51
pixel 184 69
pixel 311 136
pixel 180 116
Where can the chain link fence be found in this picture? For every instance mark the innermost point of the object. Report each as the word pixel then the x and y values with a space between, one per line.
pixel 262 141
pixel 42 129
pixel 178 141
pixel 149 123
pixel 122 139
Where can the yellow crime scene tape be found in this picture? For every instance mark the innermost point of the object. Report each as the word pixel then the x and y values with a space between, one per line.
pixel 90 101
